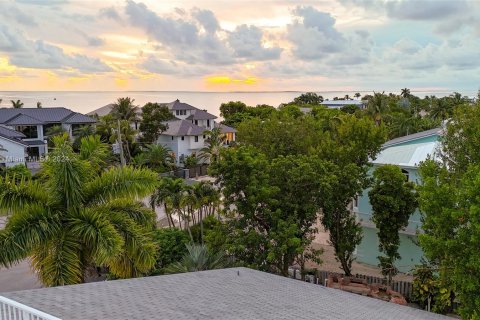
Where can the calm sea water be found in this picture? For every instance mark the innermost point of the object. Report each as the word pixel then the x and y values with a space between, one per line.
pixel 83 101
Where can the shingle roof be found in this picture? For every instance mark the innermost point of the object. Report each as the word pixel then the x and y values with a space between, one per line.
pixel 226 294
pixel 79 118
pixel 200 115
pixel 183 128
pixel 224 128
pixel 23 119
pixel 6 132
pixel 410 137
pixel 42 115
pixel 177 105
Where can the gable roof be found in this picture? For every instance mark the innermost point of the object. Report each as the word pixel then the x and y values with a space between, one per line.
pixel 23 119
pixel 198 114
pixel 41 115
pixel 224 128
pixel 183 128
pixel 237 293
pixel 415 136
pixel 12 135
pixel 177 105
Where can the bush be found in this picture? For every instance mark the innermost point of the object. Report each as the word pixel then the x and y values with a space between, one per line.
pixel 209 223
pixel 171 247
pixel 19 171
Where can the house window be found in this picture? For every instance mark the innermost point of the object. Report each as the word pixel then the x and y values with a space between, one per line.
pixel 196 138
pixel 29 131
pixel 196 122
pixel 177 112
pixel 208 123
pixel 172 137
pixel 183 138
pixel 406 174
pixel 203 136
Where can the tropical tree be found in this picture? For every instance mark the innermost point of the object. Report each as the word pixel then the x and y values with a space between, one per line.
pixel 95 151
pixel 405 93
pixel 156 157
pixel 199 258
pixel 82 132
pixel 154 116
pixel 39 105
pixel 393 201
pixel 168 193
pixel 377 107
pixel 357 95
pixel 309 98
pixel 124 109
pixel 75 219
pixel 17 104
pixel 53 131
pixel 214 142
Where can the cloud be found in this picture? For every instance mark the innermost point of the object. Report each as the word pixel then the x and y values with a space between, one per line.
pixel 43 2
pixel 95 41
pixel 39 54
pixel 21 17
pixel 110 13
pixel 246 41
pixel 207 19
pixel 425 9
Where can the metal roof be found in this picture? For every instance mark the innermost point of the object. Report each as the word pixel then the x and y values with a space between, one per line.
pixel 341 103
pixel 183 128
pixel 23 119
pixel 41 115
pixel 409 155
pixel 200 115
pixel 34 143
pixel 79 118
pixel 415 136
pixel 227 294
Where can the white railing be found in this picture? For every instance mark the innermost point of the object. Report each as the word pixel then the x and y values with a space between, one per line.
pixel 12 310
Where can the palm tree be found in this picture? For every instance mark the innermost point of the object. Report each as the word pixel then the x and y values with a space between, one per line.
pixel 168 193
pixel 124 109
pixel 441 109
pixel 199 258
pixel 75 219
pixel 347 97
pixel 156 157
pixel 377 107
pixel 17 104
pixel 39 105
pixel 214 142
pixel 405 93
pixel 97 152
pixel 207 199
pixel 357 95
pixel 55 130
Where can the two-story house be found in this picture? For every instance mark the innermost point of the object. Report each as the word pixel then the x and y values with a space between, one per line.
pixel 407 153
pixel 12 148
pixel 32 125
pixel 185 134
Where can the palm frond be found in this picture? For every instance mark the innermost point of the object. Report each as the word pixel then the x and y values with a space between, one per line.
pixel 25 230
pixel 118 183
pixel 92 228
pixel 198 258
pixel 58 262
pixel 16 195
pixel 132 209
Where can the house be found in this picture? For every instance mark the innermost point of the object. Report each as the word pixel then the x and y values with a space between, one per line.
pixel 185 134
pixel 407 152
pixel 33 124
pixel 12 148
pixel 227 294
pixel 337 104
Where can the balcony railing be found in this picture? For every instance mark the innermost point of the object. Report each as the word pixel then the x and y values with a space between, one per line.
pixel 12 310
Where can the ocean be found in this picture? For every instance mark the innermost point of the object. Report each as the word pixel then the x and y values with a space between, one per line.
pixel 84 101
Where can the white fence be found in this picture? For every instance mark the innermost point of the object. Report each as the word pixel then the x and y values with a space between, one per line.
pixel 12 310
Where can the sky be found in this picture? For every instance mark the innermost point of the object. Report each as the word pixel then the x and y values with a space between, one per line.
pixel 239 45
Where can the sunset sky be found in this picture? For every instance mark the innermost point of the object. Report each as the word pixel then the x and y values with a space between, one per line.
pixel 218 45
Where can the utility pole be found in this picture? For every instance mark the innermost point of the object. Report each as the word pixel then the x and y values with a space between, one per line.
pixel 120 145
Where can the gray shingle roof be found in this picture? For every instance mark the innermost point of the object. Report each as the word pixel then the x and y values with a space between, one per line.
pixel 200 115
pixel 42 115
pixel 23 119
pixel 226 294
pixel 224 128
pixel 410 137
pixel 183 128
pixel 79 118
pixel 177 105
pixel 9 133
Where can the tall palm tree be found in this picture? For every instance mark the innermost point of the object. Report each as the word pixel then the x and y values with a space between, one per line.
pixel 17 104
pixel 377 107
pixel 214 142
pixel 199 258
pixel 97 152
pixel 156 157
pixel 207 199
pixel 75 219
pixel 405 93
pixel 168 193
pixel 124 109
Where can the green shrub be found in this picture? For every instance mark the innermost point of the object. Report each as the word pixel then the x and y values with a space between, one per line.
pixel 171 247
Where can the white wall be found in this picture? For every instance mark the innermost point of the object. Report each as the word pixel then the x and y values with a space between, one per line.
pixel 14 155
pixel 180 147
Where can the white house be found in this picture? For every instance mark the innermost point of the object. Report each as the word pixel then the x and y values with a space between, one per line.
pixel 12 148
pixel 33 123
pixel 337 104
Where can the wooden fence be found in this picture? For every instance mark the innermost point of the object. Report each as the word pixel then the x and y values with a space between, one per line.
pixel 403 287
